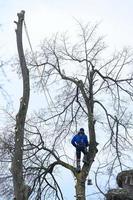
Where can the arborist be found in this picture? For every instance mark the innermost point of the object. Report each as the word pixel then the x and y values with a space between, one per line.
pixel 80 142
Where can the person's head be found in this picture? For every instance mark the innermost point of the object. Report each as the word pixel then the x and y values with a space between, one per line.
pixel 81 131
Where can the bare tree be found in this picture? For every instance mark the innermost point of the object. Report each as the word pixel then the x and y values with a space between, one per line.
pixel 21 190
pixel 22 152
pixel 91 90
pixel 103 87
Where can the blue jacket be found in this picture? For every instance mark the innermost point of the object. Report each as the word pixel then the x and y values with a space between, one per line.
pixel 80 140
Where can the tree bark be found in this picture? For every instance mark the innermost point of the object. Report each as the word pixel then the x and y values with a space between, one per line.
pixel 82 176
pixel 80 189
pixel 21 191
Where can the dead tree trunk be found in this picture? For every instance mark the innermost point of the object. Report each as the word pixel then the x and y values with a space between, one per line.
pixel 21 191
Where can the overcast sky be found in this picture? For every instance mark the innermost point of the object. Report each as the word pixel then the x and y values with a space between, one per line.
pixel 44 17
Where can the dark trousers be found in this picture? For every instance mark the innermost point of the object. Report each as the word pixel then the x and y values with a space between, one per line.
pixel 79 150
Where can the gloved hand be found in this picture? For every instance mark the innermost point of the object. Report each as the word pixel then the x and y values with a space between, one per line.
pixel 78 146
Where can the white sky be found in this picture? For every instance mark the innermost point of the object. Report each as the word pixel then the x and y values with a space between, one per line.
pixel 44 17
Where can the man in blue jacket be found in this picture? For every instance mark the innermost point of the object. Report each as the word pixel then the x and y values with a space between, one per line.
pixel 80 141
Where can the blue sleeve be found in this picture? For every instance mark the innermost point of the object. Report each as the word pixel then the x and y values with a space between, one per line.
pixel 73 141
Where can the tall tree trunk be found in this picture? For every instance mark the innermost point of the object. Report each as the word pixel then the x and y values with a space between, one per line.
pixel 82 176
pixel 21 191
pixel 80 190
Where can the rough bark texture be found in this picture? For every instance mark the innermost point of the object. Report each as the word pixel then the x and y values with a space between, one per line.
pixel 80 190
pixel 118 194
pixel 21 191
pixel 82 176
pixel 125 181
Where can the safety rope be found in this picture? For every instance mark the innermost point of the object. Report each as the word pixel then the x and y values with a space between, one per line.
pixel 45 89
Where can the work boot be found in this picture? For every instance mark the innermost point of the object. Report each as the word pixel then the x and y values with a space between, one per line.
pixel 85 159
pixel 78 166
